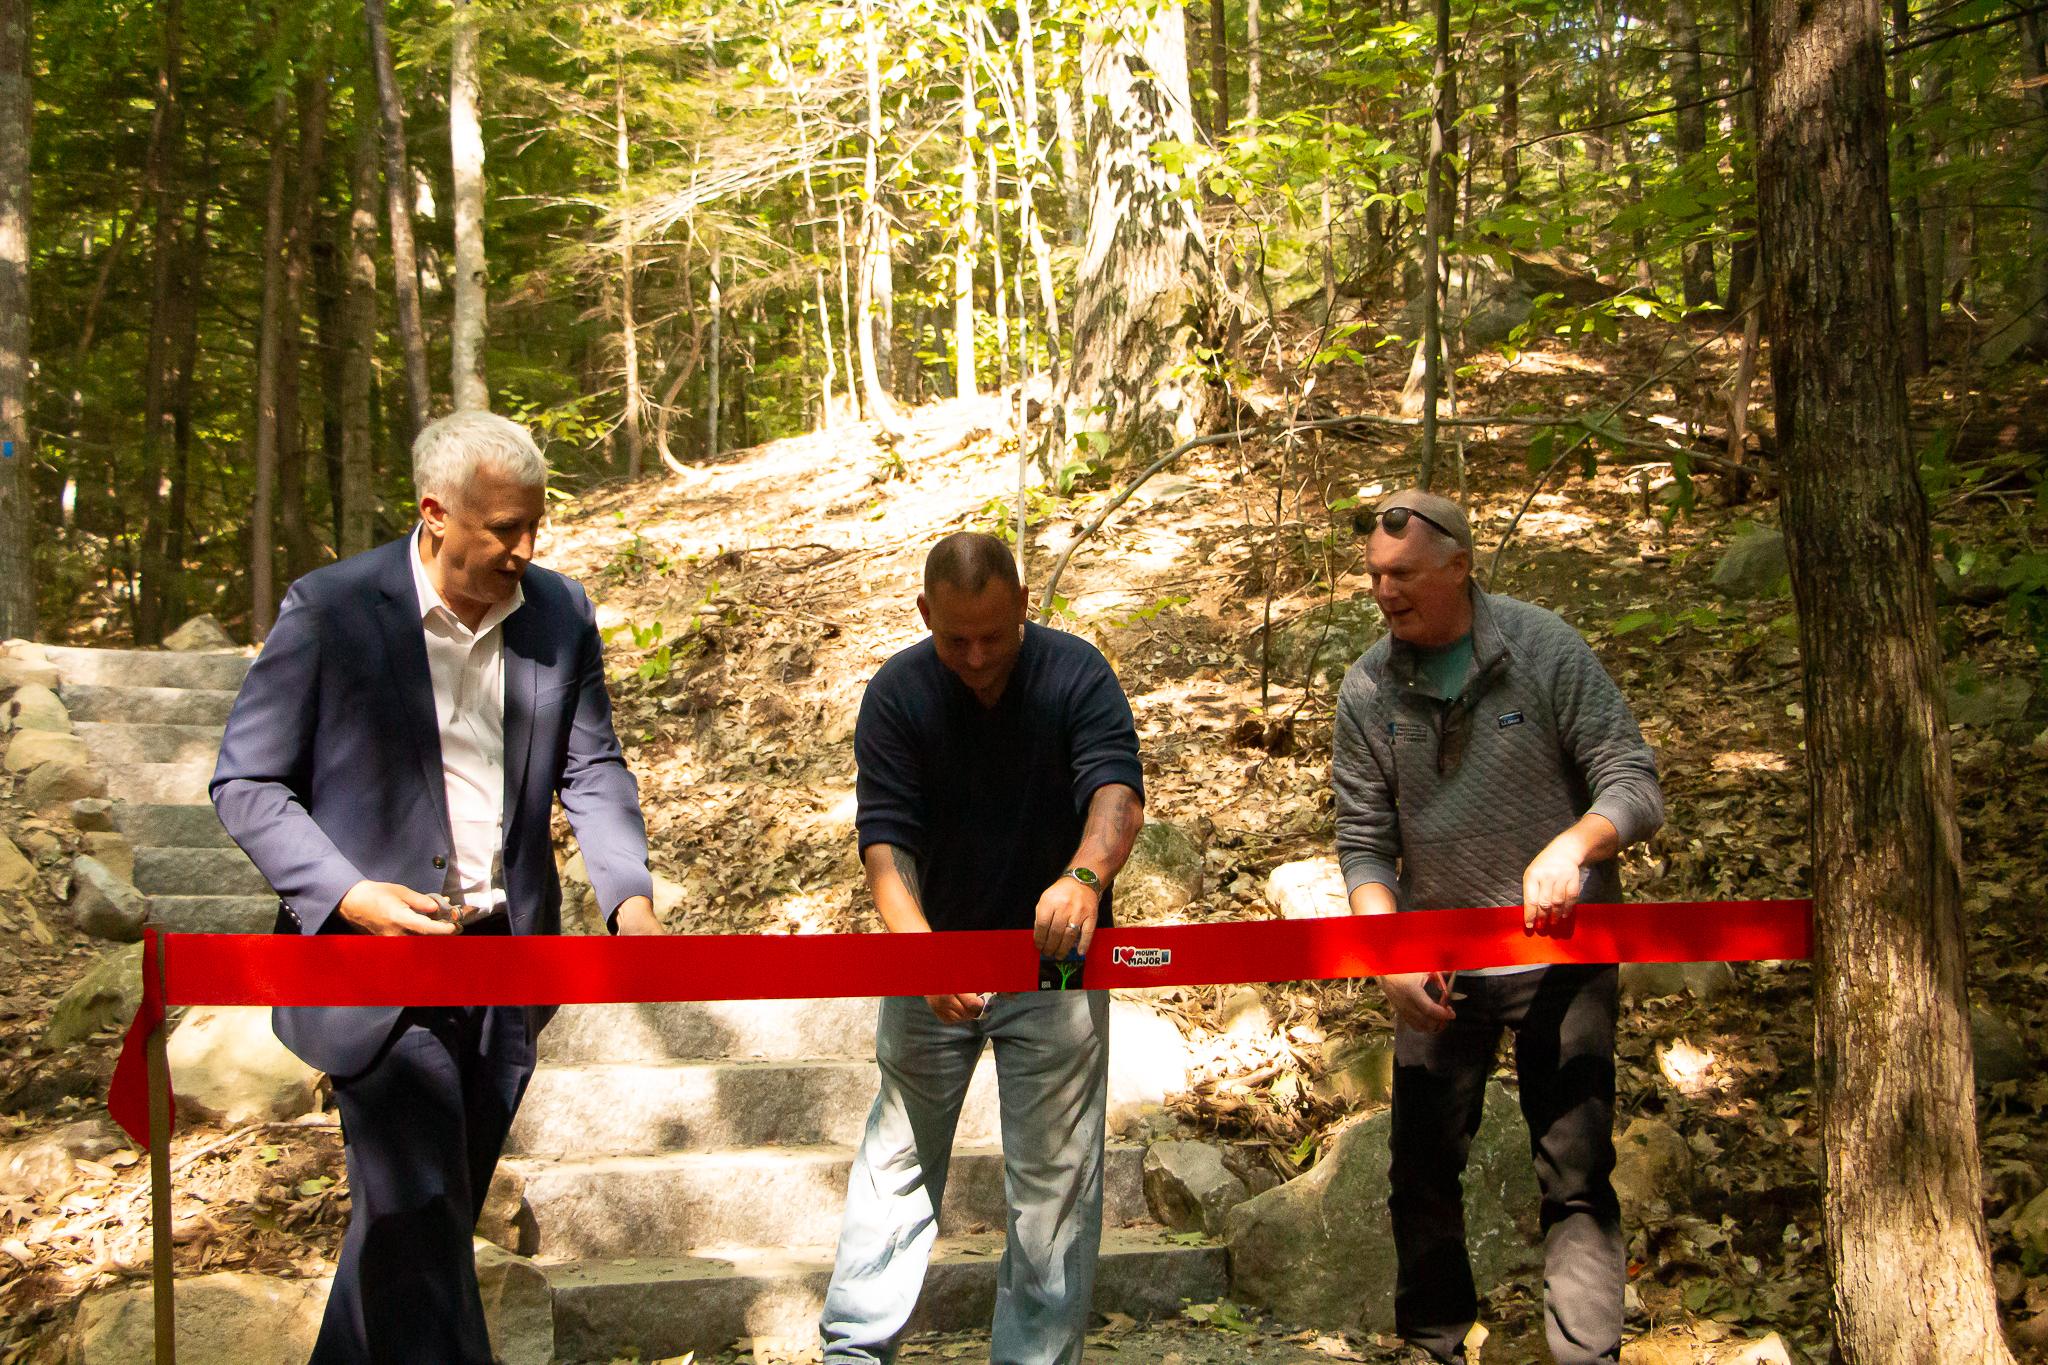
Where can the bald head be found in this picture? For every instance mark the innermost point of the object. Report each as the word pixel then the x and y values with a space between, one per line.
pixel 967 562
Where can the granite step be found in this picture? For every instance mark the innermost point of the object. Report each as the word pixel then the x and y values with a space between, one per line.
pixel 150 826
pixel 712 1029
pixel 162 784
pixel 148 668
pixel 214 914
pixel 146 705
pixel 218 872
pixel 654 1307
pixel 655 1107
pixel 116 744
pixel 674 1202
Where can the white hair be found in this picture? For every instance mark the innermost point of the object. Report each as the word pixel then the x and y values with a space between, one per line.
pixel 448 453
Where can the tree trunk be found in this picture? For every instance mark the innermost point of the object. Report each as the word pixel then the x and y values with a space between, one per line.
pixel 269 343
pixel 1219 70
pixel 1510 121
pixel 997 292
pixel 398 192
pixel 715 374
pixel 877 307
pixel 17 536
pixel 847 312
pixel 471 328
pixel 2035 300
pixel 1911 246
pixel 1432 248
pixel 330 288
pixel 1903 1211
pixel 1029 157
pixel 1254 68
pixel 356 512
pixel 1137 314
pixel 629 334
pixel 829 387
pixel 301 554
pixel 1067 134
pixel 1743 255
pixel 968 242
pixel 166 131
pixel 1689 93
pixel 190 292
pixel 1934 235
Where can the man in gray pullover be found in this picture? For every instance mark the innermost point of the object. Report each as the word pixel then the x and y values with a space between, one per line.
pixel 1484 757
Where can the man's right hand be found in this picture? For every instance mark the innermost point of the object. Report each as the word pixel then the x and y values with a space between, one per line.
pixel 957 1009
pixel 388 908
pixel 1408 995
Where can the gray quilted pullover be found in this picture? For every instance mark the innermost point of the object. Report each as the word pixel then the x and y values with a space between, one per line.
pixel 1445 803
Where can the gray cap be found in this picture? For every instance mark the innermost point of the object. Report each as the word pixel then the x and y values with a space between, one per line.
pixel 1447 515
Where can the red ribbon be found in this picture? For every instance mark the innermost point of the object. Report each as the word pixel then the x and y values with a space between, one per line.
pixel 272 969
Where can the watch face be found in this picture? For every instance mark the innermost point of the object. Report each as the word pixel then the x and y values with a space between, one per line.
pixel 1083 875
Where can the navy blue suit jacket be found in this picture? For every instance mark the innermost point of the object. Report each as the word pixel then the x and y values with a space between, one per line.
pixel 330 771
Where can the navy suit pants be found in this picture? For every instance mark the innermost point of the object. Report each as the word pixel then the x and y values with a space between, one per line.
pixel 421 1129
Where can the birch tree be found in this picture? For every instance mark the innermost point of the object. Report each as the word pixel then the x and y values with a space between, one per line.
pixel 1140 291
pixel 466 150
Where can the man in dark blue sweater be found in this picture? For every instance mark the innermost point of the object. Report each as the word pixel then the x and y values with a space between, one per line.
pixel 999 788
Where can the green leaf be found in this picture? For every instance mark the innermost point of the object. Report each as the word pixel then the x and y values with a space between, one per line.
pixel 1633 622
pixel 313 1185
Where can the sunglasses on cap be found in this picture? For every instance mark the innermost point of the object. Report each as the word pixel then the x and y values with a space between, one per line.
pixel 1394 520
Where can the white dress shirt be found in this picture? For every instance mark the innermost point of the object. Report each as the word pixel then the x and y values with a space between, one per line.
pixel 468 671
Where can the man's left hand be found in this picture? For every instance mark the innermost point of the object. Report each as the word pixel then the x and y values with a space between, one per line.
pixel 637 918
pixel 1066 919
pixel 1550 889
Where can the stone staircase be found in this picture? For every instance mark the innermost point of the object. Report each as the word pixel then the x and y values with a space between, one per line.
pixel 152 723
pixel 685 1164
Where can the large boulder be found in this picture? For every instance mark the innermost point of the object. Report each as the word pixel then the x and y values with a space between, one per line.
pixel 30 749
pixel 1652 1170
pixel 1700 980
pixel 1188 1188
pixel 1482 304
pixel 35 707
pixel 104 904
pixel 1324 641
pixel 16 871
pixel 51 788
pixel 17 672
pixel 1162 876
pixel 1319 1250
pixel 200 635
pixel 507 1219
pixel 112 851
pixel 519 1306
pixel 42 1164
pixel 226 1318
pixel 1998 1050
pixel 231 1069
pixel 93 815
pixel 1755 565
pixel 105 997
pixel 1360 1070
pixel 1308 888
pixel 1148 1060
pixel 1988 703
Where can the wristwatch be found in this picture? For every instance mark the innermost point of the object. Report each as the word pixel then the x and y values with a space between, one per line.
pixel 1085 876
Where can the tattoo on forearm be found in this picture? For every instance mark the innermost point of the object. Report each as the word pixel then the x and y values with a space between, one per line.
pixel 1115 815
pixel 906 868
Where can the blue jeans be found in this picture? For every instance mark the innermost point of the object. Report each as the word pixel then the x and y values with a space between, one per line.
pixel 1052 1079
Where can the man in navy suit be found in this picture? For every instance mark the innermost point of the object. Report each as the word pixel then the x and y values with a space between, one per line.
pixel 391 766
